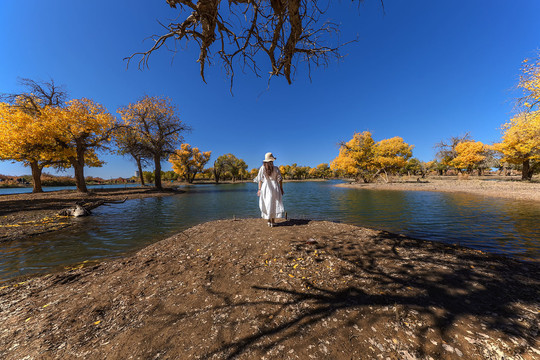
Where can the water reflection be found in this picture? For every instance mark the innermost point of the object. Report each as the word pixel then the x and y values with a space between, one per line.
pixel 27 190
pixel 496 225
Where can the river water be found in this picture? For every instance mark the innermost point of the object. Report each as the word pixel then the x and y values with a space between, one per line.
pixel 495 225
pixel 26 190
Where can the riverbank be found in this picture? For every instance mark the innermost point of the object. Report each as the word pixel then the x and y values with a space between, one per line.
pixel 23 215
pixel 304 289
pixel 515 190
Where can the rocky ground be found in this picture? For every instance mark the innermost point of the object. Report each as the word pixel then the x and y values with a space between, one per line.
pixel 302 290
pixel 24 215
pixel 485 186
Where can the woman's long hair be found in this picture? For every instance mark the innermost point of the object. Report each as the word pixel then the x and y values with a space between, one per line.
pixel 268 168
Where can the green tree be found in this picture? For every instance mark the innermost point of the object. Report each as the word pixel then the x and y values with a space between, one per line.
pixel 415 167
pixel 230 165
pixel 220 166
pixel 236 167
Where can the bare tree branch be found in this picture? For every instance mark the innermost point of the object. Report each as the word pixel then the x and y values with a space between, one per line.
pixel 36 95
pixel 286 32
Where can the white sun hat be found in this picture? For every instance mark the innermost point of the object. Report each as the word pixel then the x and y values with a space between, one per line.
pixel 269 157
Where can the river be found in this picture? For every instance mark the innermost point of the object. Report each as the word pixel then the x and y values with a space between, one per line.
pixel 495 225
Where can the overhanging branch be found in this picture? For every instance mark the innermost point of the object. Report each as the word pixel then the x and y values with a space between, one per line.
pixel 285 31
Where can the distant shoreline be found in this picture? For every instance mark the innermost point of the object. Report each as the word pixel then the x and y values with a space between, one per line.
pixel 515 190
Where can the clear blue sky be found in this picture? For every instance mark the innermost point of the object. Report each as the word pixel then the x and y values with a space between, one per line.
pixel 426 70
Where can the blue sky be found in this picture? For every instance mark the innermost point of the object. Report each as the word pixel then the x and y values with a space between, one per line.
pixel 425 70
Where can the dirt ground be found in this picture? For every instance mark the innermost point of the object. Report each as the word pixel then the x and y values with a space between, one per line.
pixel 24 215
pixel 302 290
pixel 516 190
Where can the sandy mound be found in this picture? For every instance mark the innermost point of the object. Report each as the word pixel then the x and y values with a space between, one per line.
pixel 302 290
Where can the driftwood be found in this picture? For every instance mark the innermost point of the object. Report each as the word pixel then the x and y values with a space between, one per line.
pixel 83 208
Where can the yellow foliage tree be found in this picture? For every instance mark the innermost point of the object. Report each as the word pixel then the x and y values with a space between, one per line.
pixel 320 171
pixel 235 167
pixel 157 126
pixel 530 83
pixel 356 156
pixel 391 155
pixel 521 143
pixel 27 135
pixel 82 128
pixel 470 155
pixel 188 161
pixel 344 164
pixel 285 171
pixel 362 157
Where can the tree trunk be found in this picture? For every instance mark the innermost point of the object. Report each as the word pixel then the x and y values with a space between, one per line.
pixel 157 175
pixel 36 176
pixel 139 166
pixel 79 176
pixel 527 171
pixel 216 175
pixel 78 165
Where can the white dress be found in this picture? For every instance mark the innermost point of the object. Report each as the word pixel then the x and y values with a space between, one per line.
pixel 270 201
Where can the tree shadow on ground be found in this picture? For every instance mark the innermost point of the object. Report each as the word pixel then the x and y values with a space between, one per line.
pixel 443 284
pixel 293 222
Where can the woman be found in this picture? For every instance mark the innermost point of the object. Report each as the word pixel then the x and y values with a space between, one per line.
pixel 270 190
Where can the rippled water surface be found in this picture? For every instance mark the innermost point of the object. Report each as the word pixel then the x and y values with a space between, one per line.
pixel 495 225
pixel 25 190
